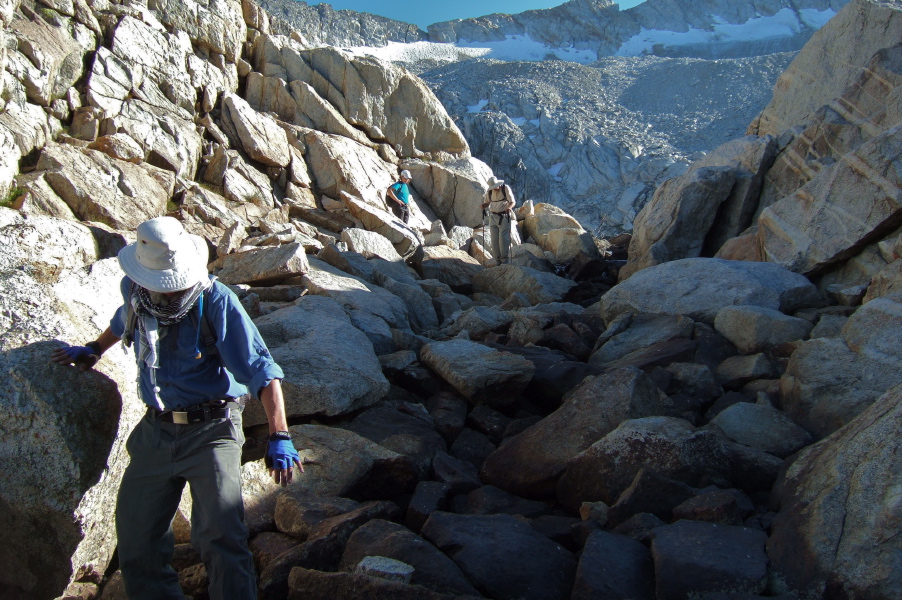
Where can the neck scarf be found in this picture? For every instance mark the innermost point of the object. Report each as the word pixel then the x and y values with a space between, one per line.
pixel 153 312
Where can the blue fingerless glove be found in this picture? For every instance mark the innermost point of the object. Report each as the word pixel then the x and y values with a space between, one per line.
pixel 82 355
pixel 281 455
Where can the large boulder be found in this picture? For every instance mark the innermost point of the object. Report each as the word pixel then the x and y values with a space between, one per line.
pixel 674 224
pixel 762 427
pixel 382 221
pixel 57 514
pixel 613 566
pixel 634 333
pixel 537 286
pixel 839 212
pixel 504 556
pixel 838 525
pixel 340 165
pixel 670 446
pixel 480 373
pixel 454 268
pixel 265 265
pixel 99 188
pixel 829 381
pixel 454 189
pixel 330 367
pixel 432 568
pixel 48 60
pixel 530 463
pixel 700 287
pixel 260 136
pixel 830 62
pixel 755 329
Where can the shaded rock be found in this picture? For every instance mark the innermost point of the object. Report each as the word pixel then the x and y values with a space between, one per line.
pixel 489 422
pixel 312 584
pixel 472 446
pixel 298 512
pixel 755 329
pixel 479 321
pixel 692 557
pixel 420 308
pixel 737 371
pixel 640 527
pixel 503 556
pixel 829 381
pixel 613 566
pixel 837 528
pixel 751 470
pixel 762 427
pixel 401 429
pixel 719 507
pixel 640 331
pixel 264 265
pixel 649 493
pixel 428 497
pixel 539 287
pixel 700 287
pixel 432 569
pixel 670 446
pixel 459 474
pixel 330 366
pixel 481 374
pixel 530 463
pixel 268 545
pixel 673 225
pixel 489 500
pixel 449 413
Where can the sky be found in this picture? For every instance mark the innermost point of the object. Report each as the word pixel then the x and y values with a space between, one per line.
pixel 426 12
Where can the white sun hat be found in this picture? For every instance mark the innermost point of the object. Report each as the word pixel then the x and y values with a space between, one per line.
pixel 166 258
pixel 406 174
pixel 494 182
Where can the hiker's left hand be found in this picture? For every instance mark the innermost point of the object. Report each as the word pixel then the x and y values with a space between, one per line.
pixel 281 456
pixel 81 356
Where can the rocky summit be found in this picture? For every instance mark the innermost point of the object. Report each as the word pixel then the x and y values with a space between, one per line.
pixel 707 408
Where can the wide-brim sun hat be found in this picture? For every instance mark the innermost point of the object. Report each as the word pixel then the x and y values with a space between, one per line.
pixel 494 182
pixel 165 258
pixel 406 174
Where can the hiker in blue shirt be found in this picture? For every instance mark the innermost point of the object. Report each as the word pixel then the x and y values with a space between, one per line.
pixel 200 357
pixel 400 193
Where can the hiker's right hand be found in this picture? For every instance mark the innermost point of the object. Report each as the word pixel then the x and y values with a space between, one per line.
pixel 81 356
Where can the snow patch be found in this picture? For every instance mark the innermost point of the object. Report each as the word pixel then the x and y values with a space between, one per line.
pixel 475 108
pixel 417 51
pixel 518 121
pixel 555 169
pixel 785 23
pixel 513 47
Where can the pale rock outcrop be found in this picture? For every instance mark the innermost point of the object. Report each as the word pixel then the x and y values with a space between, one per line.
pixel 539 287
pixel 483 375
pixel 379 220
pixel 363 301
pixel 59 525
pixel 405 114
pixel 264 265
pixel 839 49
pixel 119 146
pixel 454 189
pixel 838 524
pixel 170 142
pixel 330 367
pixel 217 25
pixel 340 165
pixel 848 205
pixel 700 287
pixel 370 244
pixel 674 224
pixel 559 233
pixel 99 188
pixel 48 60
pixel 829 381
pixel 755 329
pixel 530 463
pixel 260 136
pixel 26 127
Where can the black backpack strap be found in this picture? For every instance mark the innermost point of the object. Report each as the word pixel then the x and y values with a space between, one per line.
pixel 131 319
pixel 207 333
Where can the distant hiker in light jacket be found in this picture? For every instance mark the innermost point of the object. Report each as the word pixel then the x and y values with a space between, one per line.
pixel 199 356
pixel 500 201
pixel 400 193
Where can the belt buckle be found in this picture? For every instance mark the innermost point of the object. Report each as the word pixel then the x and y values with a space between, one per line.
pixel 180 417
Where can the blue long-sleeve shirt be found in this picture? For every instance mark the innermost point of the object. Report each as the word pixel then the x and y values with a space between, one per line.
pixel 243 364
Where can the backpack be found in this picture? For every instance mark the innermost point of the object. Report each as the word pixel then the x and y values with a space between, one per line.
pixel 207 333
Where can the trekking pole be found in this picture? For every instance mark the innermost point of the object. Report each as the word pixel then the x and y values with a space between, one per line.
pixel 485 247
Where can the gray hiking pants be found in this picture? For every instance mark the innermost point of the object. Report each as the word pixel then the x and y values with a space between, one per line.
pixel 500 228
pixel 163 457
